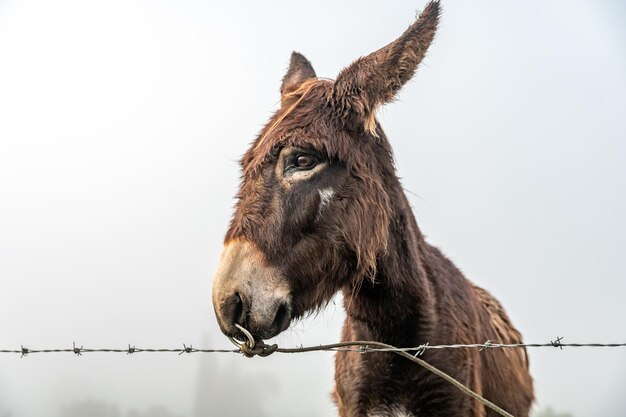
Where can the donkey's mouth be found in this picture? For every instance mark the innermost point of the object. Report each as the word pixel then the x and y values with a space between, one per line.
pixel 240 337
pixel 246 330
pixel 281 322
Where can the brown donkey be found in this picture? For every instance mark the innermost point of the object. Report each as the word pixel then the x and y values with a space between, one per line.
pixel 321 209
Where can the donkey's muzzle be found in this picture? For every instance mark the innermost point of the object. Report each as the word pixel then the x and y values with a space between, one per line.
pixel 251 293
pixel 235 310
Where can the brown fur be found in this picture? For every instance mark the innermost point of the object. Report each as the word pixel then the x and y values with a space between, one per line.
pixel 363 240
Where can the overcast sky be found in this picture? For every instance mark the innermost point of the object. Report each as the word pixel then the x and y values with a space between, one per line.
pixel 120 126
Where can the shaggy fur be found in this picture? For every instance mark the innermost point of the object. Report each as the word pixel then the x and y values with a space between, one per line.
pixel 365 242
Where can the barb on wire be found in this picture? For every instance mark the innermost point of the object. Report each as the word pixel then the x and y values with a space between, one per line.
pixel 557 342
pixel 486 345
pixel 186 349
pixel 421 349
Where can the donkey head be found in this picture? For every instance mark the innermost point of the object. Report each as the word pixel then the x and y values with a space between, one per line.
pixel 317 190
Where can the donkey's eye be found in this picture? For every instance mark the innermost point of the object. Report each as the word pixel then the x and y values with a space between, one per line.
pixel 305 161
pixel 300 160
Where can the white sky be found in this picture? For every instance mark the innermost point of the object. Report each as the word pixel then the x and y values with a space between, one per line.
pixel 120 125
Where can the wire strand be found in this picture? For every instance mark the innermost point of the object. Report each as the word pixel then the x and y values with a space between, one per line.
pixel 358 346
pixel 366 347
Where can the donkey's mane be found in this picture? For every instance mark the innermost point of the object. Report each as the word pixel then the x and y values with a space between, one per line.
pixel 307 108
pixel 299 95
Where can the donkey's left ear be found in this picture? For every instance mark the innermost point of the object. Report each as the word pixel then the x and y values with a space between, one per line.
pixel 375 79
pixel 300 70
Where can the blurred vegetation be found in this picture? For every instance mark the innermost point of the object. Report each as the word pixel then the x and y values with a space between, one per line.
pixel 4 412
pixel 158 411
pixel 95 408
pixel 549 412
pixel 90 408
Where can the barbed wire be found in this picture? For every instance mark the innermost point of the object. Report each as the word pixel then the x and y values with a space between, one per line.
pixel 355 346
pixel 252 348
pixel 24 351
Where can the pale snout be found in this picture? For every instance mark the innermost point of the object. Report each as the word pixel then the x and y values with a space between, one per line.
pixel 249 292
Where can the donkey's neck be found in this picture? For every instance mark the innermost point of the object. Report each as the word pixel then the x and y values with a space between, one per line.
pixel 396 306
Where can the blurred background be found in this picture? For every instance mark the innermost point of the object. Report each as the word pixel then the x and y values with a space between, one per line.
pixel 121 124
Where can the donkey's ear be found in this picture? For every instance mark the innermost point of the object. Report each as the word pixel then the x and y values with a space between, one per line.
pixel 300 69
pixel 375 79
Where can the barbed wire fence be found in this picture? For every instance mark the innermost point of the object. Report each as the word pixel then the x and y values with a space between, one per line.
pixel 356 346
pixel 251 348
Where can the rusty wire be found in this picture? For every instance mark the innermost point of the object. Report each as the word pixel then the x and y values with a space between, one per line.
pixel 356 346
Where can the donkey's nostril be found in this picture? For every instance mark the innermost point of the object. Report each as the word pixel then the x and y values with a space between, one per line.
pixel 283 317
pixel 234 310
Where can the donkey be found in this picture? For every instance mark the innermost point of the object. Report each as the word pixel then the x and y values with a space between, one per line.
pixel 321 209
